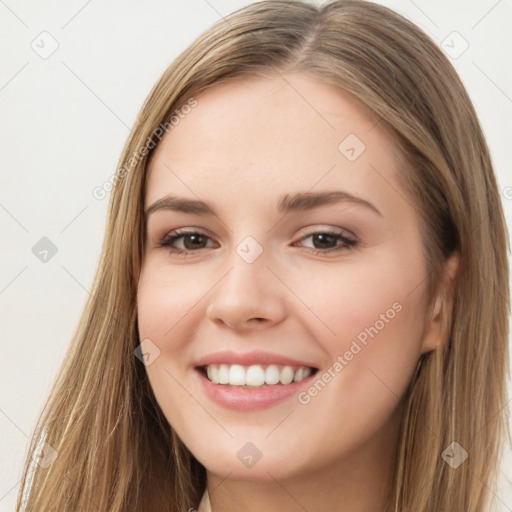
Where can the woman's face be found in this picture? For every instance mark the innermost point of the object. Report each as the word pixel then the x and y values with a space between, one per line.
pixel 305 258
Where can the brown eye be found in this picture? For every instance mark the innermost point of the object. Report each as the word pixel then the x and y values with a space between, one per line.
pixel 328 241
pixel 191 240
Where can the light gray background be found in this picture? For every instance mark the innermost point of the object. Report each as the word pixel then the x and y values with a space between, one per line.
pixel 64 121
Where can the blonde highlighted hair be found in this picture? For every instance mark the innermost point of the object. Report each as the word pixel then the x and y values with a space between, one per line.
pixel 116 450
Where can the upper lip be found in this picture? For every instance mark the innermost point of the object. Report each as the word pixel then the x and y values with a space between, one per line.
pixel 250 358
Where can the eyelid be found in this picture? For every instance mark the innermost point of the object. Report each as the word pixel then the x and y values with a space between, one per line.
pixel 324 228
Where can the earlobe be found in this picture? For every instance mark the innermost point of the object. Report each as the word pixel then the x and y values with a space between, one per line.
pixel 433 335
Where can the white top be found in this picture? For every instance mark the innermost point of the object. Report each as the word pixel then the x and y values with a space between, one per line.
pixel 204 505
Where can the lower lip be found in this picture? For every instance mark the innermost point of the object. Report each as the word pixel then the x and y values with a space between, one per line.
pixel 248 399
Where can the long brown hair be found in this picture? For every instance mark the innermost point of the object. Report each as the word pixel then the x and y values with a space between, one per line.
pixel 115 448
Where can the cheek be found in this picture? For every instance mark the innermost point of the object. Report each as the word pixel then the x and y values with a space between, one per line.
pixel 165 314
pixel 165 304
pixel 351 299
pixel 369 319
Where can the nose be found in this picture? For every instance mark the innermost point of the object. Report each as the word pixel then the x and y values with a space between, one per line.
pixel 248 296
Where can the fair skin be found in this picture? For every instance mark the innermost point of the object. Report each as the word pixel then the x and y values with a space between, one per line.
pixel 245 145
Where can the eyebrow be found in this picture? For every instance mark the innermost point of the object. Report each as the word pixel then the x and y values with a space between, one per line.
pixel 296 202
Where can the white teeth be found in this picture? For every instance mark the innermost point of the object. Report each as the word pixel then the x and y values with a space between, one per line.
pixel 256 375
pixel 213 373
pixel 286 375
pixel 299 375
pixel 237 375
pixel 223 374
pixel 272 374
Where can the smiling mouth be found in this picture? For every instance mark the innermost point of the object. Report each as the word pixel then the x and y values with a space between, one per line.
pixel 255 375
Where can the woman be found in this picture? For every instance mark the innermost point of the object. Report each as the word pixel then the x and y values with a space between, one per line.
pixel 227 356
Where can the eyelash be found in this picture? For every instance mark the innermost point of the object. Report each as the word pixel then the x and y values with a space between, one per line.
pixel 348 243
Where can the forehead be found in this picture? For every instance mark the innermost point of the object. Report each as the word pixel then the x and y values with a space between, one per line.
pixel 261 136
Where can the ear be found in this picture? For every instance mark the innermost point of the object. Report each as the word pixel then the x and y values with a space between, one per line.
pixel 437 328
